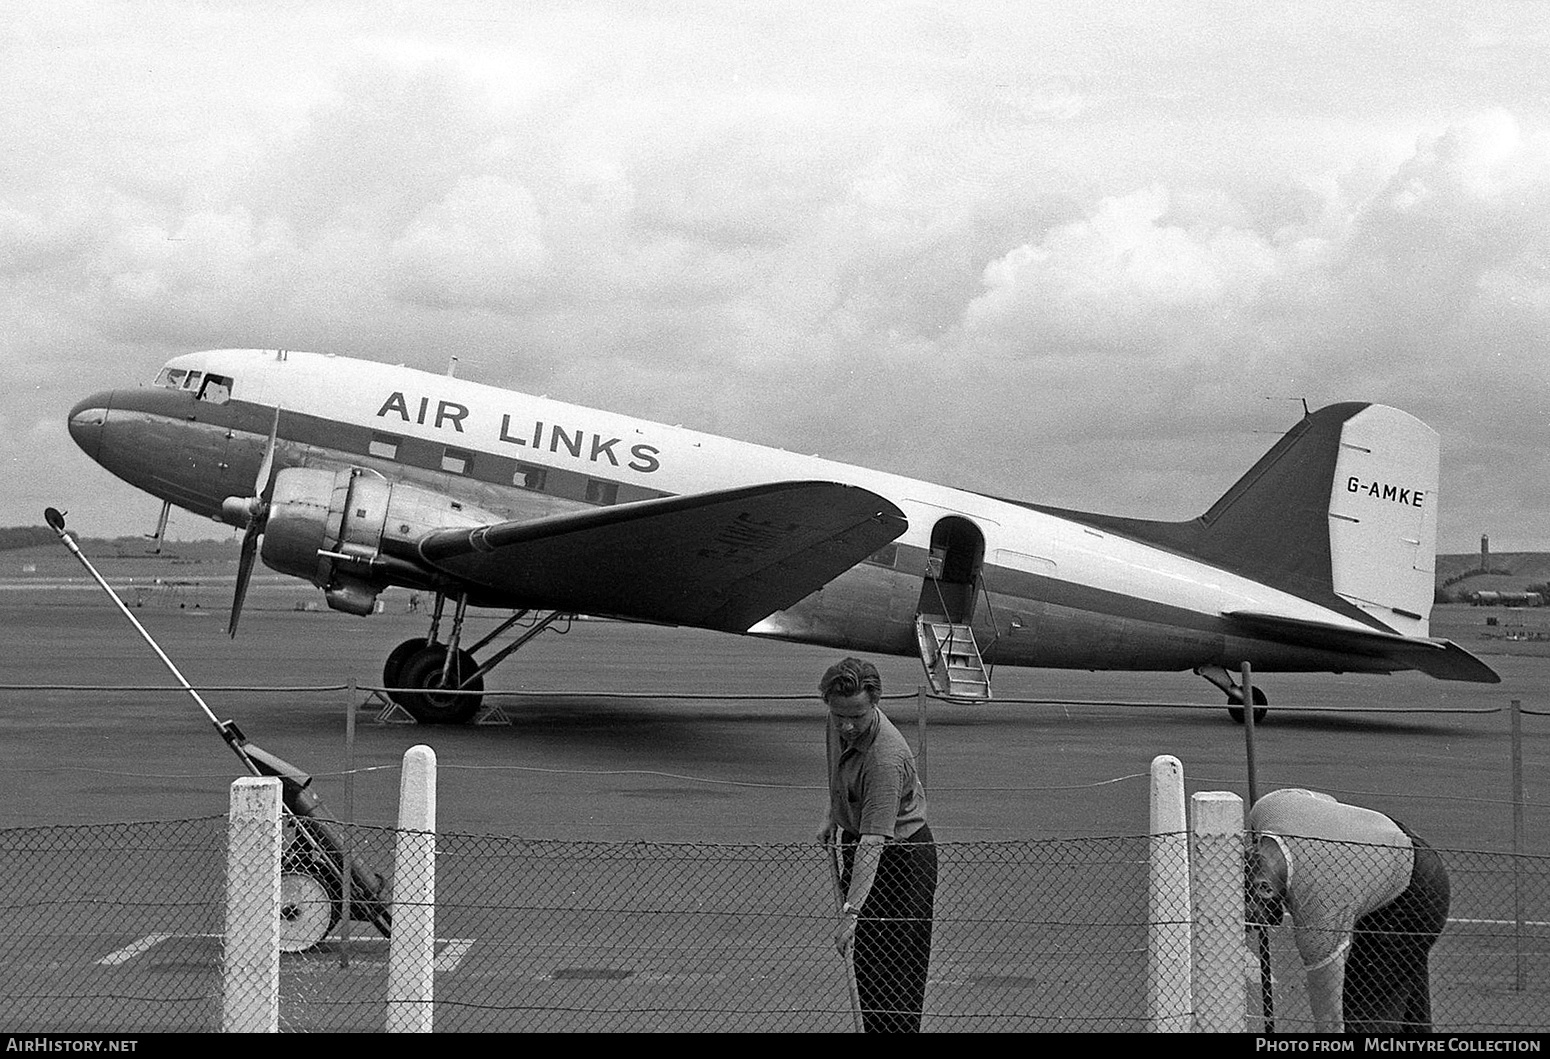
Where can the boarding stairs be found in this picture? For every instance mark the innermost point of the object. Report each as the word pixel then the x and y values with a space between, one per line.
pixel 952 659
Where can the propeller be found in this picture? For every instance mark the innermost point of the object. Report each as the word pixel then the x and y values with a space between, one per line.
pixel 256 511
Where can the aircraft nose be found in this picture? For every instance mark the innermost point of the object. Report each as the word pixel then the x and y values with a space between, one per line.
pixel 87 419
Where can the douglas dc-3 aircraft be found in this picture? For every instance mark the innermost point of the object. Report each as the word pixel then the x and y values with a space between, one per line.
pixel 357 476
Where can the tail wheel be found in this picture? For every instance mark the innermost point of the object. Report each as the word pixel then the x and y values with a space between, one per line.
pixel 428 703
pixel 1236 711
pixel 393 668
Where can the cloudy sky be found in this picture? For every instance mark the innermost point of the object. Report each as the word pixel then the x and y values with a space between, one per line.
pixel 1091 254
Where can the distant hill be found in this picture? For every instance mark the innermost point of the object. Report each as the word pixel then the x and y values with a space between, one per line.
pixel 1508 572
pixel 15 538
pixel 24 537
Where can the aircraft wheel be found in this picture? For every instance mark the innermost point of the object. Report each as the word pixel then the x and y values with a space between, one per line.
pixel 393 668
pixel 1260 705
pixel 423 670
pixel 308 911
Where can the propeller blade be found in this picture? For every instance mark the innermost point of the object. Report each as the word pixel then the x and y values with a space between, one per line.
pixel 262 487
pixel 258 515
pixel 244 571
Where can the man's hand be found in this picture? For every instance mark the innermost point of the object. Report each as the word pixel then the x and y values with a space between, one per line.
pixel 826 833
pixel 845 935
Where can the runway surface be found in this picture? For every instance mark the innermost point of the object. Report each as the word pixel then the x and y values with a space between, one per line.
pixel 599 748
pixel 641 734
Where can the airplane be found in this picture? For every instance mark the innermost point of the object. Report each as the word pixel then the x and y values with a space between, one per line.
pixel 357 475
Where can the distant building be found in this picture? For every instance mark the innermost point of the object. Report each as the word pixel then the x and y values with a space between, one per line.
pixel 1488 598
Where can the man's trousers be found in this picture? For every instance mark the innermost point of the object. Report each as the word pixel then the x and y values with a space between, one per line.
pixel 893 934
pixel 1387 979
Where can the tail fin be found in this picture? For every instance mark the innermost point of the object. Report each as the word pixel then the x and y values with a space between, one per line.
pixel 1345 504
pixel 1341 511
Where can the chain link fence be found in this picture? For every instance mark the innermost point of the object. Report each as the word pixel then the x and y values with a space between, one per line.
pixel 118 928
pixel 1487 970
pixel 112 928
pixel 1365 915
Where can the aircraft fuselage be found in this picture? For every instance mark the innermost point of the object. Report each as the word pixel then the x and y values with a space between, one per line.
pixel 1037 588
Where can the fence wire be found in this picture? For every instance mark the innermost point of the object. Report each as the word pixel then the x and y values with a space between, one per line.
pixel 1465 945
pixel 118 928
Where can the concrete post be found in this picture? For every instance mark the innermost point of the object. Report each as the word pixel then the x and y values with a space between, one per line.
pixel 250 965
pixel 1216 881
pixel 412 950
pixel 1169 943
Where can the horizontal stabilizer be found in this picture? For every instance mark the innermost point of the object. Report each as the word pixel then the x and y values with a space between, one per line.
pixel 1442 659
pixel 719 560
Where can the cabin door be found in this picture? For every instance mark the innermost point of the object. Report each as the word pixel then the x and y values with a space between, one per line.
pixel 951 580
pixel 945 612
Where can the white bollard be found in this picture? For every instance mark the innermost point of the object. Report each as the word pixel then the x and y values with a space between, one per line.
pixel 250 962
pixel 1168 970
pixel 412 950
pixel 1216 882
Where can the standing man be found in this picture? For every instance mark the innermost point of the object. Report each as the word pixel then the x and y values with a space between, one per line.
pixel 878 806
pixel 1368 899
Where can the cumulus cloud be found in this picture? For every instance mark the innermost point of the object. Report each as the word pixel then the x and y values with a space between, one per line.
pixel 1470 205
pixel 1122 281
pixel 36 239
pixel 480 246
pixel 975 235
pixel 1460 224
pixel 210 273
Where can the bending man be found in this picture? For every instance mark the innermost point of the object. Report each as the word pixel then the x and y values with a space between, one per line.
pixel 877 804
pixel 1368 899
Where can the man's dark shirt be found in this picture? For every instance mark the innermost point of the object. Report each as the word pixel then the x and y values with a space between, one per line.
pixel 873 787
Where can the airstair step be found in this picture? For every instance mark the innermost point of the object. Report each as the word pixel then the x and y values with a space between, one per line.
pixel 952 659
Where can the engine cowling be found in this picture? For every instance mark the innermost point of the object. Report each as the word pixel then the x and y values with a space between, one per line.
pixel 329 527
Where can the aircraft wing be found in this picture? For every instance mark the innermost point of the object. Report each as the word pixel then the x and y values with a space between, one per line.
pixel 1442 659
pixel 720 560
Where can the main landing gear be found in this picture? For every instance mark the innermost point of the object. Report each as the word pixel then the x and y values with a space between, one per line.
pixel 441 683
pixel 1223 679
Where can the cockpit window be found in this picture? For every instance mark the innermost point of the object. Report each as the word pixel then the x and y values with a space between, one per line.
pixel 171 378
pixel 191 380
pixel 216 390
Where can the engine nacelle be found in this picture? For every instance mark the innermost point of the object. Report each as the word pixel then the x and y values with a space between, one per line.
pixel 328 527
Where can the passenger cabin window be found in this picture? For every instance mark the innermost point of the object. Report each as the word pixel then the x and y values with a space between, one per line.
pixel 527 476
pixel 599 492
pixel 455 461
pixel 383 446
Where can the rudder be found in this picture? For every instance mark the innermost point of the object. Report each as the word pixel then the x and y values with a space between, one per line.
pixel 1383 517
